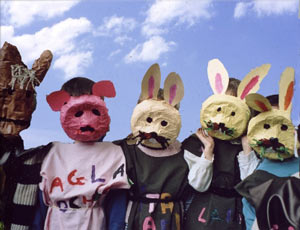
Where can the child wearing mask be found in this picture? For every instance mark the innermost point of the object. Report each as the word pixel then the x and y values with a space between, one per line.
pixel 212 153
pixel 272 136
pixel 154 157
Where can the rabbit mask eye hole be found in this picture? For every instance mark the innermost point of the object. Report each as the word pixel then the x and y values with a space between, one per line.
pixel 164 123
pixel 266 126
pixel 284 127
pixel 219 109
pixel 96 112
pixel 78 114
pixel 149 119
pixel 233 114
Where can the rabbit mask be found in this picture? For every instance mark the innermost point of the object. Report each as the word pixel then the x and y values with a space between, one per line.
pixel 226 117
pixel 271 133
pixel 17 88
pixel 156 122
pixel 84 118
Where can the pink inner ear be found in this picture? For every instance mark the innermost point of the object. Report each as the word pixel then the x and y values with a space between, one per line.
pixel 150 87
pixel 249 86
pixel 173 89
pixel 218 83
pixel 261 105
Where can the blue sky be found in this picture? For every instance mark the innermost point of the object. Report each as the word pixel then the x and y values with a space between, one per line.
pixel 119 40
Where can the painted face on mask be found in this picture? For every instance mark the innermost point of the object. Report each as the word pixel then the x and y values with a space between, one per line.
pixel 17 88
pixel 84 118
pixel 224 116
pixel 271 133
pixel 156 123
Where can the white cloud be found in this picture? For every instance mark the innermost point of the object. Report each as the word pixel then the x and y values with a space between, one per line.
pixel 114 53
pixel 162 12
pixel 149 51
pixel 241 9
pixel 6 33
pixel 266 7
pixel 21 13
pixel 122 39
pixel 115 25
pixel 61 39
pixel 73 64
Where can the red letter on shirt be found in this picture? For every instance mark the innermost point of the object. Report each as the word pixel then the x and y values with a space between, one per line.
pixel 78 179
pixel 56 183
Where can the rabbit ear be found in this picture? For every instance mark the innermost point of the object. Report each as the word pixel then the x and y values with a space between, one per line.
pixel 57 99
pixel 258 102
pixel 104 89
pixel 217 76
pixel 286 89
pixel 250 83
pixel 173 89
pixel 151 83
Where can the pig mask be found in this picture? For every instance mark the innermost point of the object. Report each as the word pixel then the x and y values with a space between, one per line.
pixel 84 118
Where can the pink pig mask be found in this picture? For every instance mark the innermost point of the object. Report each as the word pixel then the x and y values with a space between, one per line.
pixel 84 118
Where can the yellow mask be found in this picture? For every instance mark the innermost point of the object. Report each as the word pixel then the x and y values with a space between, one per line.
pixel 156 123
pixel 226 117
pixel 271 133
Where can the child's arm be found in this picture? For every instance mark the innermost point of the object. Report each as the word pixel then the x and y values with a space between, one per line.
pixel 115 209
pixel 247 159
pixel 40 213
pixel 201 168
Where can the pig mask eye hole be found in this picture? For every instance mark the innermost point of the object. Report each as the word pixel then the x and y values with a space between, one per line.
pixel 96 112
pixel 78 114
pixel 233 114
pixel 219 109
pixel 284 127
pixel 266 126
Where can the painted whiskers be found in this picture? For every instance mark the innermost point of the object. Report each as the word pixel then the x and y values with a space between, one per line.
pixel 213 126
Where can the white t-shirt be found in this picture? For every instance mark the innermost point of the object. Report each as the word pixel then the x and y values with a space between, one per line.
pixel 75 179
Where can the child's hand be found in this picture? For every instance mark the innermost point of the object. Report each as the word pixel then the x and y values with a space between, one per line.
pixel 245 143
pixel 208 143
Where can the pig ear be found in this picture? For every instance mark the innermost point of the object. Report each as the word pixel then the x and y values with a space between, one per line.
pixel 173 89
pixel 57 99
pixel 250 83
pixel 104 89
pixel 258 102
pixel 151 83
pixel 286 89
pixel 217 76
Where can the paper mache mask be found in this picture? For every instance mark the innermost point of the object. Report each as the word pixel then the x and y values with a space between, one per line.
pixel 156 123
pixel 17 88
pixel 84 118
pixel 271 133
pixel 224 116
